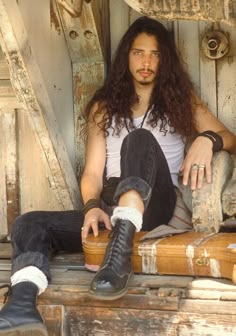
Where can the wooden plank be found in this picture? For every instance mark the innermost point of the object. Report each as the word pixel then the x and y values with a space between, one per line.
pixel 3 195
pixel 101 13
pixel 87 77
pixel 11 166
pixel 53 316
pixel 226 83
pixel 10 103
pixel 9 183
pixel 206 306
pixel 74 295
pixel 5 251
pixel 34 177
pixel 6 88
pixel 74 8
pixel 120 21
pixel 227 93
pixel 210 10
pixel 30 87
pixel 208 76
pixel 85 50
pixel 81 34
pixel 211 295
pixel 97 321
pixel 4 71
pixel 188 45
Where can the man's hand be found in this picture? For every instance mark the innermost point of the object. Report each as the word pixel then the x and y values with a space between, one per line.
pixel 197 163
pixel 91 220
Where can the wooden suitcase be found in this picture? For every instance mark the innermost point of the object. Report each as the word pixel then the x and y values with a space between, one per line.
pixel 191 253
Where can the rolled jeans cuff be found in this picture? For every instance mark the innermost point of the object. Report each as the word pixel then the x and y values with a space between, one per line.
pixel 36 259
pixel 134 183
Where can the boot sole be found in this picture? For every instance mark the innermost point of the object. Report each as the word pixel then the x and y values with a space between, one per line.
pixel 26 330
pixel 109 296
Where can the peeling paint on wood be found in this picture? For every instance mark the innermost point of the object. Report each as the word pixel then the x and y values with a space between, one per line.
pixel 210 10
pixel 161 305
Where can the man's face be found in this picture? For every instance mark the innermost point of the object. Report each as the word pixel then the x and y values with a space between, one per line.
pixel 144 59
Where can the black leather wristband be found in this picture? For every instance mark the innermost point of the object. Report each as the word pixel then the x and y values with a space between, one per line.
pixel 90 204
pixel 216 139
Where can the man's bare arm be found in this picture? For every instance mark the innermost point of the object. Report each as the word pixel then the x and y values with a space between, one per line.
pixel 92 177
pixel 200 152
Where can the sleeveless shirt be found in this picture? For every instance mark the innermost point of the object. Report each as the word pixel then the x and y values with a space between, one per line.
pixel 172 145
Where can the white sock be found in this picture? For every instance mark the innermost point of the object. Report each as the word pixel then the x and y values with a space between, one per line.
pixel 128 213
pixel 31 274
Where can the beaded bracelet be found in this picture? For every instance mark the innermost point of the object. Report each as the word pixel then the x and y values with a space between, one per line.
pixel 90 204
pixel 216 139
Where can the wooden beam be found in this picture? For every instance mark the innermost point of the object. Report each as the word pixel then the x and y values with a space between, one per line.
pixel 211 10
pixel 73 7
pixel 7 102
pixel 88 40
pixel 81 34
pixel 29 86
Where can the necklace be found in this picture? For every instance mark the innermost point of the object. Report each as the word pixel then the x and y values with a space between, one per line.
pixel 140 125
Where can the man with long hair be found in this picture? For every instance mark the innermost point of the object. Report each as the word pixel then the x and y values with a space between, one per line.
pixel 137 127
pixel 138 124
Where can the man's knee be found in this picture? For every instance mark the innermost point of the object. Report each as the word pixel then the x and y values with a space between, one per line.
pixel 23 225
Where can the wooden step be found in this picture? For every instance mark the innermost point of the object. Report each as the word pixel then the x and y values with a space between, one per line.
pixel 159 305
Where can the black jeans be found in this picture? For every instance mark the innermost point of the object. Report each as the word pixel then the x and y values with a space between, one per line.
pixel 143 168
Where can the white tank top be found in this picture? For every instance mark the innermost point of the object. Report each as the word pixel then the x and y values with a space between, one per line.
pixel 172 145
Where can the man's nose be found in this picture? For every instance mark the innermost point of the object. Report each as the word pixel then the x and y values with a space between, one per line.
pixel 146 60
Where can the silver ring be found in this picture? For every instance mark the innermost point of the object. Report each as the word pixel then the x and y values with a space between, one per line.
pixel 202 166
pixel 195 166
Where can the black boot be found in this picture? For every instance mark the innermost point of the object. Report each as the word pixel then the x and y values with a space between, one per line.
pixel 19 316
pixel 111 281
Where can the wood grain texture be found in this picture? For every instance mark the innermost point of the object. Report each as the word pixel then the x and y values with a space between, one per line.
pixel 191 10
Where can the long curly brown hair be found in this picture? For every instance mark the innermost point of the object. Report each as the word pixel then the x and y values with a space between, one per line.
pixel 172 95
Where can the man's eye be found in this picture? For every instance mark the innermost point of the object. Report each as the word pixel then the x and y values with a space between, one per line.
pixel 137 53
pixel 156 54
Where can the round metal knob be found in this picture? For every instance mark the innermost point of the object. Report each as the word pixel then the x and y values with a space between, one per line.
pixel 215 44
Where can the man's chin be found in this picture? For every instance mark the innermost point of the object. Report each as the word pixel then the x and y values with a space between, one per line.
pixel 143 82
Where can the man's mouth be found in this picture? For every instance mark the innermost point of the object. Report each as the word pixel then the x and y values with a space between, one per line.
pixel 145 73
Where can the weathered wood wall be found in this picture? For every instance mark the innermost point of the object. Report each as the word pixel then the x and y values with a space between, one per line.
pixel 36 113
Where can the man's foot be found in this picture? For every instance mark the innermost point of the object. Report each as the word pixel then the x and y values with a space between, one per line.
pixel 111 281
pixel 19 316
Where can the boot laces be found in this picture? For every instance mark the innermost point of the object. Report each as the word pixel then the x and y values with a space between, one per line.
pixel 7 293
pixel 116 247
